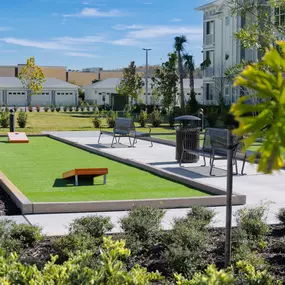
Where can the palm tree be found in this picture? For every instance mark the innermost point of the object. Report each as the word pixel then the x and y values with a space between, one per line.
pixel 179 48
pixel 189 67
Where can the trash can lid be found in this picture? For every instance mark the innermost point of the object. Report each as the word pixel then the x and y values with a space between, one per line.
pixel 187 118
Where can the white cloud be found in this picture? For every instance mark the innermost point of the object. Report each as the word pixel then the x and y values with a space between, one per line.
pixel 93 12
pixel 37 44
pixel 126 27
pixel 176 20
pixel 125 42
pixel 163 31
pixel 80 54
pixel 83 40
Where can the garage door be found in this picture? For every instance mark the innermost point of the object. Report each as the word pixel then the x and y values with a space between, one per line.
pixel 17 98
pixel 41 99
pixel 65 98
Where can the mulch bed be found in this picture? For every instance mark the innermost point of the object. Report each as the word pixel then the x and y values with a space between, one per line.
pixel 7 207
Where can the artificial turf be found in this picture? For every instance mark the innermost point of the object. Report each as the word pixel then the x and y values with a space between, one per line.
pixel 36 169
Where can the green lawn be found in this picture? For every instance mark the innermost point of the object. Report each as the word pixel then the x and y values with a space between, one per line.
pixel 68 121
pixel 36 168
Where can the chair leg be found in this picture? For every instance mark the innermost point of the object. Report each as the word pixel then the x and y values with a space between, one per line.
pixel 212 165
pixel 118 140
pixel 99 137
pixel 130 142
pixel 151 143
pixel 204 161
pixel 113 141
pixel 181 158
pixel 236 165
pixel 243 164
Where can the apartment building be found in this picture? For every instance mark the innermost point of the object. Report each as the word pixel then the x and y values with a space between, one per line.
pixel 221 50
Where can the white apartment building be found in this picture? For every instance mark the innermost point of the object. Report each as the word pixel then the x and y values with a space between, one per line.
pixel 223 50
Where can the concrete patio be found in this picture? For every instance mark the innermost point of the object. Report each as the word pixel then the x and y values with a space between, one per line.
pixel 256 186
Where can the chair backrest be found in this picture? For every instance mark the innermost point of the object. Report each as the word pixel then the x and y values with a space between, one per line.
pixel 124 125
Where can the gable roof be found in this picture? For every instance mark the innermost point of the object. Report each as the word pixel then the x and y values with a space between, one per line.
pixel 112 83
pixel 51 83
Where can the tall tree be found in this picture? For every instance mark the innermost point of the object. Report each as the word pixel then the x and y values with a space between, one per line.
pixel 166 79
pixel 179 43
pixel 131 83
pixel 259 29
pixel 189 67
pixel 32 78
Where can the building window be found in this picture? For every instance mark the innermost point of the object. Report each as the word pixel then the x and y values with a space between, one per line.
pixel 227 21
pixel 209 94
pixel 209 27
pixel 280 15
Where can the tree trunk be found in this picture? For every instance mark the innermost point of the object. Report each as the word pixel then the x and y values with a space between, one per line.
pixel 180 67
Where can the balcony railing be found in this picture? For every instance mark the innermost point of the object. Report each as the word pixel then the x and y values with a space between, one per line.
pixel 209 72
pixel 209 39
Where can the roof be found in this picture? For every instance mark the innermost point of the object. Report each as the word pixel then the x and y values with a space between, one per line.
pixel 52 83
pixel 205 6
pixel 112 83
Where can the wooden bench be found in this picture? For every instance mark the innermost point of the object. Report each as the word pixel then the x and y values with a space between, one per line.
pixel 215 147
pixel 85 172
pixel 125 127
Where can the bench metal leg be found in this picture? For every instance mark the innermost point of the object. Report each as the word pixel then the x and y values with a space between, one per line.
pixel 151 143
pixel 99 137
pixel 105 179
pixel 118 140
pixel 113 141
pixel 76 180
pixel 243 164
pixel 204 161
pixel 212 165
pixel 130 142
pixel 181 158
pixel 236 165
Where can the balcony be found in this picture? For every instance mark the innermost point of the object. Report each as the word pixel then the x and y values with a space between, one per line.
pixel 209 72
pixel 209 39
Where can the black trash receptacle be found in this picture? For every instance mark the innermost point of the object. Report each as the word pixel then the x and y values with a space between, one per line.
pixel 188 133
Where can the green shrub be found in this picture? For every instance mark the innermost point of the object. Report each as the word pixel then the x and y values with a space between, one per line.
pixel 202 215
pixel 87 107
pixel 15 108
pixel 4 119
pixel 171 119
pixel 82 107
pixel 143 118
pixel 46 108
pixel 186 246
pixel 212 276
pixel 109 270
pixel 142 227
pixel 65 108
pixel 96 226
pixel 251 226
pixel 156 118
pixel 52 107
pixel 281 216
pixel 38 108
pixel 127 111
pixel 22 119
pixel 70 108
pixel 58 108
pixel 97 122
pixel 76 108
pixel 30 108
pixel 248 274
pixel 15 237
pixel 111 118
pixel 212 118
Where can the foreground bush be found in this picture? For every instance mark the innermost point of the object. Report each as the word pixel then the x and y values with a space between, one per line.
pixel 110 269
pixel 281 216
pixel 143 118
pixel 97 121
pixel 4 119
pixel 15 238
pixel 142 228
pixel 111 119
pixel 84 234
pixel 22 119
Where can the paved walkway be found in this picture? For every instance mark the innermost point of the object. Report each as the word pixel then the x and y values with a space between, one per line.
pixel 257 187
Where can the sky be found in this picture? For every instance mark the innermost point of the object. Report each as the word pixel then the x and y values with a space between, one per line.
pixel 97 33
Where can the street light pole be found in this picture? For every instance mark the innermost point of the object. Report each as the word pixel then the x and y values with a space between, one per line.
pixel 146 74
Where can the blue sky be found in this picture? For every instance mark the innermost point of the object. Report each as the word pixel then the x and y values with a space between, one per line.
pixel 96 33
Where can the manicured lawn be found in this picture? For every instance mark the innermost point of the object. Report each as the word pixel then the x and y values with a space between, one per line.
pixel 67 121
pixel 36 168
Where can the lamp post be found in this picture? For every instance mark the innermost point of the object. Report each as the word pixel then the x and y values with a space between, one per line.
pixel 146 74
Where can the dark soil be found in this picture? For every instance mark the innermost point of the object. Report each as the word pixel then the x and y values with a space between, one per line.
pixel 7 207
